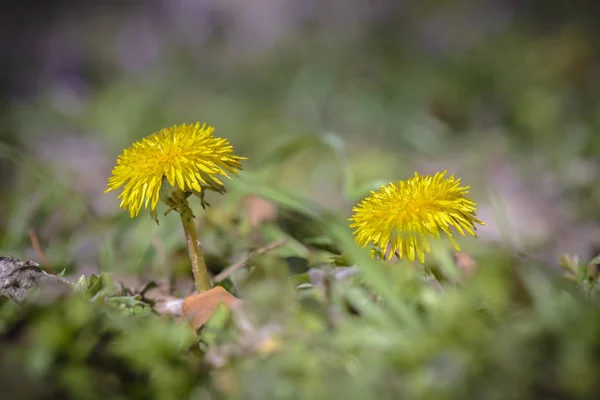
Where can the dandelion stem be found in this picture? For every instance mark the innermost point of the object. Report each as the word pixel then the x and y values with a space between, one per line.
pixel 199 269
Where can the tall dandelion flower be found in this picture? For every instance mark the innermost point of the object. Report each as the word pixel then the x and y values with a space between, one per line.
pixel 189 157
pixel 407 214
pixel 170 165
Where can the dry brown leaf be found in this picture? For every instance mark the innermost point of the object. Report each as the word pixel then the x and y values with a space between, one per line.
pixel 466 265
pixel 259 210
pixel 199 308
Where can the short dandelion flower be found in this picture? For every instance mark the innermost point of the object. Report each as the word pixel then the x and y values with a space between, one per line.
pixel 188 156
pixel 408 214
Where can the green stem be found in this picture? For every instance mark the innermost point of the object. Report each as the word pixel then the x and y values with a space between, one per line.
pixel 199 269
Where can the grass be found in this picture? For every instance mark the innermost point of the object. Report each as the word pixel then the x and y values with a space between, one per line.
pixel 320 133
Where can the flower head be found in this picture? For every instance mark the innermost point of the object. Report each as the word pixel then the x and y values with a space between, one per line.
pixel 188 156
pixel 407 214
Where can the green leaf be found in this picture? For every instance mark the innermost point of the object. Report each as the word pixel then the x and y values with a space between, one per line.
pixel 596 260
pixel 81 286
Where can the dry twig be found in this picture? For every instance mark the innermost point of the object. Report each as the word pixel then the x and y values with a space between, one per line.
pixel 38 249
pixel 230 270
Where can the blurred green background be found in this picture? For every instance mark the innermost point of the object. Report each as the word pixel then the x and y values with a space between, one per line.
pixel 328 100
pixel 502 93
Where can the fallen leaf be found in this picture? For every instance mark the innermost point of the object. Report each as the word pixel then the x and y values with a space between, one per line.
pixel 466 264
pixel 259 210
pixel 199 308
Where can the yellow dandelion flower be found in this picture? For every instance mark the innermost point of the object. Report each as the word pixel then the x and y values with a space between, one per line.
pixel 408 214
pixel 187 155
